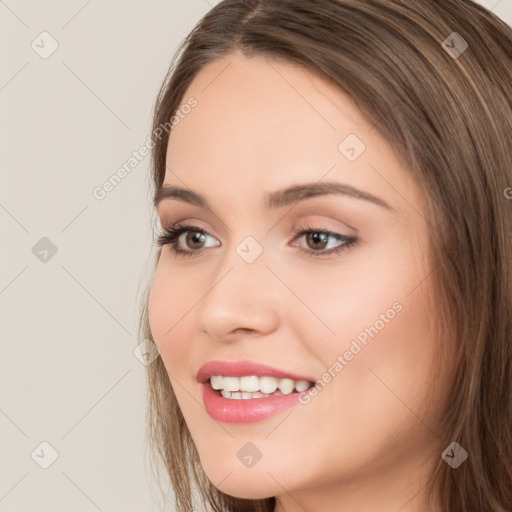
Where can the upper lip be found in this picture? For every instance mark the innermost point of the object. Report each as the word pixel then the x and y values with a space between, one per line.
pixel 244 368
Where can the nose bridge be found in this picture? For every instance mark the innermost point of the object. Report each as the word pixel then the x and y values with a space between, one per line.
pixel 242 293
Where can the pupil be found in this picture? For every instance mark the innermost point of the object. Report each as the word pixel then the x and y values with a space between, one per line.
pixel 196 237
pixel 318 237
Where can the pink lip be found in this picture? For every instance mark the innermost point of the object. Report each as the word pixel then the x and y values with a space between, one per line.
pixel 244 410
pixel 243 368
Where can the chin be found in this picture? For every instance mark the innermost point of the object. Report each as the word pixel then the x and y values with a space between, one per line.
pixel 241 482
pixel 249 488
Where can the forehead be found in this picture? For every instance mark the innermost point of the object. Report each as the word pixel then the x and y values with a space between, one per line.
pixel 262 124
pixel 264 105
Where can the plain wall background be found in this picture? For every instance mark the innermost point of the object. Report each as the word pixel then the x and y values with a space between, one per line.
pixel 68 325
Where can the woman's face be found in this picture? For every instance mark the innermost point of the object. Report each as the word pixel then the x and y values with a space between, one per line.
pixel 358 321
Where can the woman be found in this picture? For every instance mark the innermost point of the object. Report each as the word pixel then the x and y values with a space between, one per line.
pixel 332 294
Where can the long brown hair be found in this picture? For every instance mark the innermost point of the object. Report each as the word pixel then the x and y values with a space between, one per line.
pixel 448 118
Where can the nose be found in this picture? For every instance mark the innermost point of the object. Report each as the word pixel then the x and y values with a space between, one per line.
pixel 242 299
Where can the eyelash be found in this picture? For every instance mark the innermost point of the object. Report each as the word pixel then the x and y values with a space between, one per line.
pixel 170 236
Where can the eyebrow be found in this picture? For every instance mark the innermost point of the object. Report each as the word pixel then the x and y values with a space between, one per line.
pixel 278 199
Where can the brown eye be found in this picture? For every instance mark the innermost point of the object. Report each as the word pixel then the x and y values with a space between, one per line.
pixel 193 238
pixel 317 240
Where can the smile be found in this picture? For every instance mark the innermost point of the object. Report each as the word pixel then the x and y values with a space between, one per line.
pixel 245 392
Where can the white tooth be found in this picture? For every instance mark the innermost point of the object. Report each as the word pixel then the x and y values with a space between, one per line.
pixel 301 385
pixel 286 386
pixel 252 386
pixel 268 384
pixel 251 383
pixel 231 383
pixel 216 381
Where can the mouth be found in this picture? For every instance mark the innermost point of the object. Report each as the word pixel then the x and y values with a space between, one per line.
pixel 246 392
pixel 249 387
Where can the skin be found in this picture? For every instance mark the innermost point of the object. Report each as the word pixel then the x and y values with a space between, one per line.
pixel 368 439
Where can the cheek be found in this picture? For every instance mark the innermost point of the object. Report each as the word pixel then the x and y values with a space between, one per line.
pixel 156 307
pixel 371 328
pixel 332 305
pixel 167 316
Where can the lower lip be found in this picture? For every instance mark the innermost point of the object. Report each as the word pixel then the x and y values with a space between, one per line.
pixel 244 410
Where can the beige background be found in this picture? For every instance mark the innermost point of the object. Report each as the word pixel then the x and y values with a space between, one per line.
pixel 68 374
